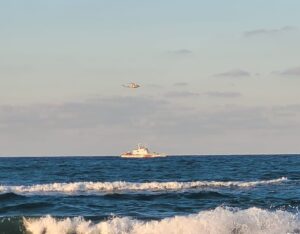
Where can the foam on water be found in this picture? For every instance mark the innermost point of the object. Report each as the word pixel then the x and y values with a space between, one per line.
pixel 121 186
pixel 218 221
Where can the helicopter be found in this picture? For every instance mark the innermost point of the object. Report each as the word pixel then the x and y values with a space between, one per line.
pixel 131 85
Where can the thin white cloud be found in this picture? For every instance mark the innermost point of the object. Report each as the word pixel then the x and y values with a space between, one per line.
pixel 262 31
pixel 295 71
pixel 287 110
pixel 155 86
pixel 237 73
pixel 180 52
pixel 128 111
pixel 181 94
pixel 180 84
pixel 90 113
pixel 111 124
pixel 223 94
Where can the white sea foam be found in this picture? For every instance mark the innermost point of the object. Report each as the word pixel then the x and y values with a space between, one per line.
pixel 121 186
pixel 218 221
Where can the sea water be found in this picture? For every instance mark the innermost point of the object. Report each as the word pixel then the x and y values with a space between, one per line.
pixel 172 195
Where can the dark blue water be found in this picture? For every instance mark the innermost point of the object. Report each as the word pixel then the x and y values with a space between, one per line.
pixel 135 192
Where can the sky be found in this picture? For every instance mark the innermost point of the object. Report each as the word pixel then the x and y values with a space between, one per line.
pixel 217 77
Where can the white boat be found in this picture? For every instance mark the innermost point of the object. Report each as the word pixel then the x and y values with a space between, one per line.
pixel 142 152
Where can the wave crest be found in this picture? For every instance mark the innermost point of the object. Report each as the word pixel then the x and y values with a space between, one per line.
pixel 218 221
pixel 121 186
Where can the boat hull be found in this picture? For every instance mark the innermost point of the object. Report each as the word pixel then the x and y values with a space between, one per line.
pixel 143 156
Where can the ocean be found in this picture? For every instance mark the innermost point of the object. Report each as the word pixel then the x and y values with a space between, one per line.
pixel 173 195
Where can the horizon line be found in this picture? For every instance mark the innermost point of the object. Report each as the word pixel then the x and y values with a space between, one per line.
pixel 171 155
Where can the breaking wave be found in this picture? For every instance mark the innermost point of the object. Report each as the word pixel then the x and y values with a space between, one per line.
pixel 121 186
pixel 218 221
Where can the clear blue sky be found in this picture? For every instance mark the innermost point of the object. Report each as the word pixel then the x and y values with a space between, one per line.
pixel 217 76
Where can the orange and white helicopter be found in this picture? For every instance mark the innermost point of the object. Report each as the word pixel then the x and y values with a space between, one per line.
pixel 131 85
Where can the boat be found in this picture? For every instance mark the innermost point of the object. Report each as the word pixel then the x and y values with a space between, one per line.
pixel 142 152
